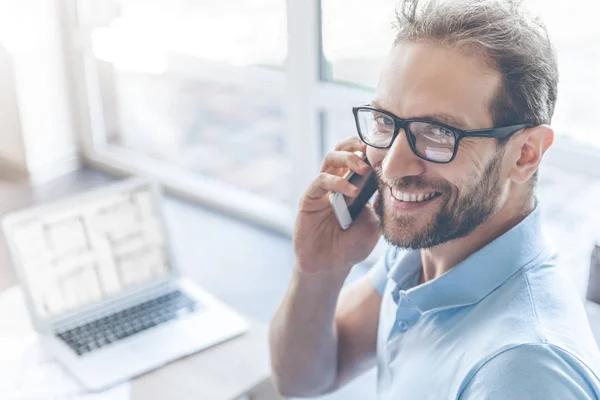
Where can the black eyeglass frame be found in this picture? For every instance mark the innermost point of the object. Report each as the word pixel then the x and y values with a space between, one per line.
pixel 495 133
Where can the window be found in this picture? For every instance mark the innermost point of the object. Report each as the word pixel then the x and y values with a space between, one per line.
pixel 236 101
pixel 198 85
pixel 575 33
pixel 357 36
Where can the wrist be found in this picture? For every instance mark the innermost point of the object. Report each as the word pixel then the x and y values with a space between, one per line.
pixel 309 268
pixel 328 280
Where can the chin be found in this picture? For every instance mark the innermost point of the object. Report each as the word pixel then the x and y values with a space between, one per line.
pixel 405 231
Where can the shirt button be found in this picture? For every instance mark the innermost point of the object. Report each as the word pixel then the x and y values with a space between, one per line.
pixel 402 326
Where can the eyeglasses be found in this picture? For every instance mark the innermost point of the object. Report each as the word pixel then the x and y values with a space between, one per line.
pixel 429 140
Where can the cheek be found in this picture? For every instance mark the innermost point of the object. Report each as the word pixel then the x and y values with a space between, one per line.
pixel 375 156
pixel 474 154
pixel 469 165
pixel 457 177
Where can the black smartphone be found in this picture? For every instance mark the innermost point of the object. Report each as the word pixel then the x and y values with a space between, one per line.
pixel 347 209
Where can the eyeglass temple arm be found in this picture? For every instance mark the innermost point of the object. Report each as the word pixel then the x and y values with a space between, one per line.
pixel 497 133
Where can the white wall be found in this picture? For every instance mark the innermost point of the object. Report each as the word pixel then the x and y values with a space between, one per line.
pixel 31 32
pixel 12 149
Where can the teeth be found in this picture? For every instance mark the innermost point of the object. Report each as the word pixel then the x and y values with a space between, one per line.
pixel 414 197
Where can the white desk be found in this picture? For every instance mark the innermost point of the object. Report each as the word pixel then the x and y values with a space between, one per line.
pixel 227 371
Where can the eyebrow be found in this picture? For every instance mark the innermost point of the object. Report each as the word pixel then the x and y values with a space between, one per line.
pixel 452 120
pixel 448 119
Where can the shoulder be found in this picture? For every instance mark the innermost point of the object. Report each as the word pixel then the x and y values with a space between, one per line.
pixel 379 271
pixel 532 371
pixel 560 317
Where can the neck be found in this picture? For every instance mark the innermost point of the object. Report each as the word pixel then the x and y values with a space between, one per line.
pixel 440 259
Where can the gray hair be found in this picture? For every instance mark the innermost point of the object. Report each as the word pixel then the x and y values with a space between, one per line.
pixel 511 41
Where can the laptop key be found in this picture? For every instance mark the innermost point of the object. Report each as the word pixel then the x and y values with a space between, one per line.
pixel 120 325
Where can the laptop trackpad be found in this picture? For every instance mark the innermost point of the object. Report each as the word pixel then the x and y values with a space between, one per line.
pixel 163 343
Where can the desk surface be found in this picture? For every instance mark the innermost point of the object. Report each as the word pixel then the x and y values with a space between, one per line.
pixel 243 263
pixel 226 371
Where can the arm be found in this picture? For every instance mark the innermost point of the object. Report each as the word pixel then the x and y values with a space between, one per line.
pixel 532 371
pixel 316 347
pixel 319 338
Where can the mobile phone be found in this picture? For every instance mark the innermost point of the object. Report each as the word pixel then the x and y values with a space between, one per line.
pixel 347 209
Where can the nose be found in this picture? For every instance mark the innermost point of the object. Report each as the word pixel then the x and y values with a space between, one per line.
pixel 400 161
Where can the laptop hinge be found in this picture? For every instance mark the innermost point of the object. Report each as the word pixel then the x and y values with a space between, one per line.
pixel 113 306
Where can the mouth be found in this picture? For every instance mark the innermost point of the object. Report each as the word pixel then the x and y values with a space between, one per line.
pixel 412 201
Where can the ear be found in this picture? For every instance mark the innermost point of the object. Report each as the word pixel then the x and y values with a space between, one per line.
pixel 529 146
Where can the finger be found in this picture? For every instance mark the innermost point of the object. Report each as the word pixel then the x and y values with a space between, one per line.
pixel 352 143
pixel 344 159
pixel 325 183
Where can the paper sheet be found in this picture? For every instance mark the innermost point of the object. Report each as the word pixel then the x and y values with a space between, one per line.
pixel 27 370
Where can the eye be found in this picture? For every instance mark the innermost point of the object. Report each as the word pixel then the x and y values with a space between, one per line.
pixel 384 120
pixel 441 132
pixel 433 133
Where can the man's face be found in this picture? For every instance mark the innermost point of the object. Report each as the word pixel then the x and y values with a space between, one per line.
pixel 450 86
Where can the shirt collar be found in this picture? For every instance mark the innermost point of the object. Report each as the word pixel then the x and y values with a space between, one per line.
pixel 478 275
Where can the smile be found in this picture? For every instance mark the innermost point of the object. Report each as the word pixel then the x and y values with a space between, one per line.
pixel 414 197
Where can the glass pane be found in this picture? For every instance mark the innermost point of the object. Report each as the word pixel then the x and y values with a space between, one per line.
pixel 357 36
pixel 198 84
pixel 338 125
pixel 575 33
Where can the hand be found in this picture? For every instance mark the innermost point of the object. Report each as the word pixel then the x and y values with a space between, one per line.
pixel 319 242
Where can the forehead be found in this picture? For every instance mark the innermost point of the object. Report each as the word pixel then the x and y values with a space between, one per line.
pixel 424 79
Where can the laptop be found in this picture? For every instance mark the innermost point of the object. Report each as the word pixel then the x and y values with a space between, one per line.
pixel 102 289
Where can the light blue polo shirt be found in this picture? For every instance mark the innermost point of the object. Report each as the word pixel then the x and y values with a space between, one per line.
pixel 506 323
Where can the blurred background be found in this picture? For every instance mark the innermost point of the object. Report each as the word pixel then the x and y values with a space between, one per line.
pixel 233 103
pixel 238 99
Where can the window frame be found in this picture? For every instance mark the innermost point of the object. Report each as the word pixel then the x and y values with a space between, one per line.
pixel 308 99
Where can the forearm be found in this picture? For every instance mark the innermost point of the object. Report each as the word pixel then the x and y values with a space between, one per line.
pixel 303 336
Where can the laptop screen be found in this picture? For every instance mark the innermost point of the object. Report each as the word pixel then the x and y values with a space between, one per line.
pixel 82 254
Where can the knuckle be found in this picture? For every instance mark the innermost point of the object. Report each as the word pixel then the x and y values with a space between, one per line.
pixel 329 157
pixel 344 143
pixel 322 177
pixel 350 142
pixel 304 200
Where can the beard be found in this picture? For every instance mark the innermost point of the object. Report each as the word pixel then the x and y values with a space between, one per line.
pixel 452 221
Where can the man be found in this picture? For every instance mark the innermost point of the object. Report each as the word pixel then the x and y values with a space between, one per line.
pixel 477 308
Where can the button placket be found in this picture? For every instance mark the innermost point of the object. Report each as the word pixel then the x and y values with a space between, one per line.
pixel 400 324
pixel 404 313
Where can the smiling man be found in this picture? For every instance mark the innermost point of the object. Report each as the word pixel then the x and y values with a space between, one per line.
pixel 476 308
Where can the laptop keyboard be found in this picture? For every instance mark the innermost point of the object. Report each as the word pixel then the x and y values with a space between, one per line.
pixel 120 325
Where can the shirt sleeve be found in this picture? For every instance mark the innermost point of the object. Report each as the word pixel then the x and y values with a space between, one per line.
pixel 379 270
pixel 535 372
